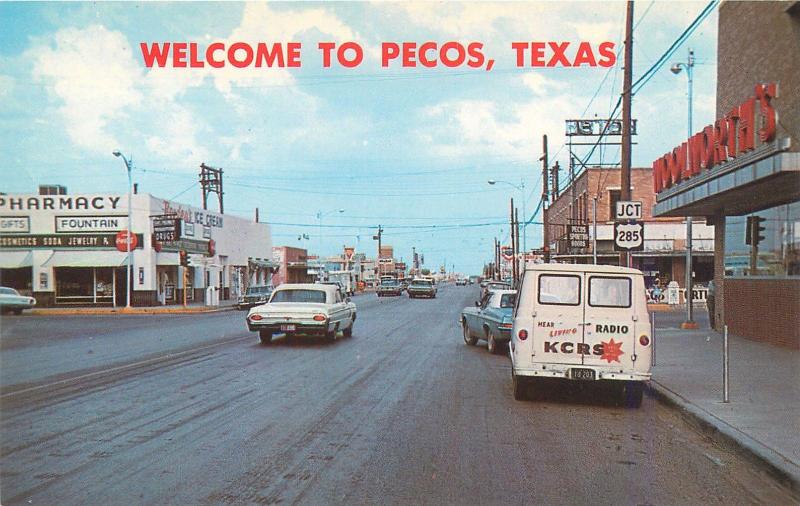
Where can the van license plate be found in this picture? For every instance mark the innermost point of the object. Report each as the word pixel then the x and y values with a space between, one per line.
pixel 288 328
pixel 582 374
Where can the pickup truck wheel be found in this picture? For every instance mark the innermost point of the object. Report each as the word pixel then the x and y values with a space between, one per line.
pixel 632 393
pixel 265 336
pixel 469 339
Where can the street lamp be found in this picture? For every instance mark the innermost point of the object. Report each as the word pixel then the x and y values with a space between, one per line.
pixel 689 323
pixel 321 215
pixel 128 283
pixel 521 188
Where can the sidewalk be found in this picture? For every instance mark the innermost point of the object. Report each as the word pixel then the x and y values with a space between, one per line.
pixel 224 305
pixel 763 415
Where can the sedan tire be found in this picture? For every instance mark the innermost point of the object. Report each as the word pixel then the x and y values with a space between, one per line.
pixel 265 336
pixel 348 332
pixel 491 344
pixel 469 339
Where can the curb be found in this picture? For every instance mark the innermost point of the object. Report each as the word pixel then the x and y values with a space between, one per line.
pixel 778 466
pixel 132 311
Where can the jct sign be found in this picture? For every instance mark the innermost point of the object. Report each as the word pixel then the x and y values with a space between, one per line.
pixel 730 136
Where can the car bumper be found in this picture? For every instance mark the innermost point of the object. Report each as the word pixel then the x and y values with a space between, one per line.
pixel 419 293
pixel 563 371
pixel 299 328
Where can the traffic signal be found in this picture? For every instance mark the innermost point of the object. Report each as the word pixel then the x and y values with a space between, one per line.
pixel 184 258
pixel 755 230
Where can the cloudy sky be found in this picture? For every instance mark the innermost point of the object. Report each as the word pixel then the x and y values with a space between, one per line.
pixel 408 148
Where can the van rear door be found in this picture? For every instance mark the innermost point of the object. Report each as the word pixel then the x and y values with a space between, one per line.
pixel 558 331
pixel 608 325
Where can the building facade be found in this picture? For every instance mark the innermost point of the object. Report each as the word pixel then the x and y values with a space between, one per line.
pixel 62 250
pixel 743 172
pixel 663 257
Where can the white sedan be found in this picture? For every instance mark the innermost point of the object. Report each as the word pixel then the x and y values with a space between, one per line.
pixel 12 301
pixel 310 309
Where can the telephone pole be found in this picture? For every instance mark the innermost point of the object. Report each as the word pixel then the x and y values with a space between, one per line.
pixel 545 202
pixel 625 191
pixel 378 238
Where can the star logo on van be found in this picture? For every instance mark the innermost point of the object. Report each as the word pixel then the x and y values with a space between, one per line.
pixel 611 351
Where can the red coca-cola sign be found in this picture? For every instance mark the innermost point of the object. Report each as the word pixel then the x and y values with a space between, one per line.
pixel 126 241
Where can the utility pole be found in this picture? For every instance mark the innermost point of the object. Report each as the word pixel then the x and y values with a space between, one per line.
pixel 625 191
pixel 513 244
pixel 545 202
pixel 516 260
pixel 378 238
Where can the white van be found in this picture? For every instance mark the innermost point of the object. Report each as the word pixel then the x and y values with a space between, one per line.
pixel 582 323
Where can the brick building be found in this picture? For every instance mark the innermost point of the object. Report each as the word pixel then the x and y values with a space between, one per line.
pixel 664 254
pixel 743 172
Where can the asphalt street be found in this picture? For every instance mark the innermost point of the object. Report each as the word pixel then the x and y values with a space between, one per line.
pixel 191 409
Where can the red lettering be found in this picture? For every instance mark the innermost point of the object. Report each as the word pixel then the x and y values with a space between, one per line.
pixel 264 55
pixel 721 139
pixel 707 154
pixel 746 137
pixel 444 54
pixel 193 61
pixel 519 48
pixel 476 58
pixel 537 54
pixel 212 60
pixel 248 54
pixel 674 167
pixel 178 54
pixel 558 54
pixel 764 94
pixel 683 160
pixel 341 55
pixel 585 55
pixel 293 53
pixel 389 51
pixel 695 153
pixel 423 54
pixel 609 57
pixel 155 53
pixel 409 54
pixel 733 124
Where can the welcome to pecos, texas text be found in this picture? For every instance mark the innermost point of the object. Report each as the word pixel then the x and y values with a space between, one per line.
pixel 451 54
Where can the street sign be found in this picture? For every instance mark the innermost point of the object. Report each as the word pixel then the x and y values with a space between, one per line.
pixel 577 237
pixel 629 236
pixel 628 210
pixel 166 228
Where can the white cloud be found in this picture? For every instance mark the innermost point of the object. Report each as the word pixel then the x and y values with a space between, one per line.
pixel 7 84
pixel 177 137
pixel 93 73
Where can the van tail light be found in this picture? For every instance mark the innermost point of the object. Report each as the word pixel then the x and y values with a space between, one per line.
pixel 320 318
pixel 644 340
pixel 522 334
pixel 255 317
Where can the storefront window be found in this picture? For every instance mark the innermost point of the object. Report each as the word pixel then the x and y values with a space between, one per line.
pixel 765 243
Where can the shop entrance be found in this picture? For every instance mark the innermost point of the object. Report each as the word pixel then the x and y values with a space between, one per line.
pixel 19 279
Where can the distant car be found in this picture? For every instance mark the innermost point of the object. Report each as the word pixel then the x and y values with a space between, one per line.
pixel 421 288
pixel 390 287
pixel 494 285
pixel 12 302
pixel 303 308
pixel 254 296
pixel 473 279
pixel 461 282
pixel 491 319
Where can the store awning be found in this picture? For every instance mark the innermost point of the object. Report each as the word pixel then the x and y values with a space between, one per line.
pixel 86 259
pixel 15 259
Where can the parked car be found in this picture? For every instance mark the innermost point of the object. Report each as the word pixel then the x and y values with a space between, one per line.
pixel 494 285
pixel 390 287
pixel 582 323
pixel 421 288
pixel 461 282
pixel 12 302
pixel 303 308
pixel 491 319
pixel 254 296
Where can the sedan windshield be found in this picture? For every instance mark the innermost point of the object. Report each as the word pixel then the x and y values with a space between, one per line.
pixel 387 282
pixel 421 283
pixel 316 296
